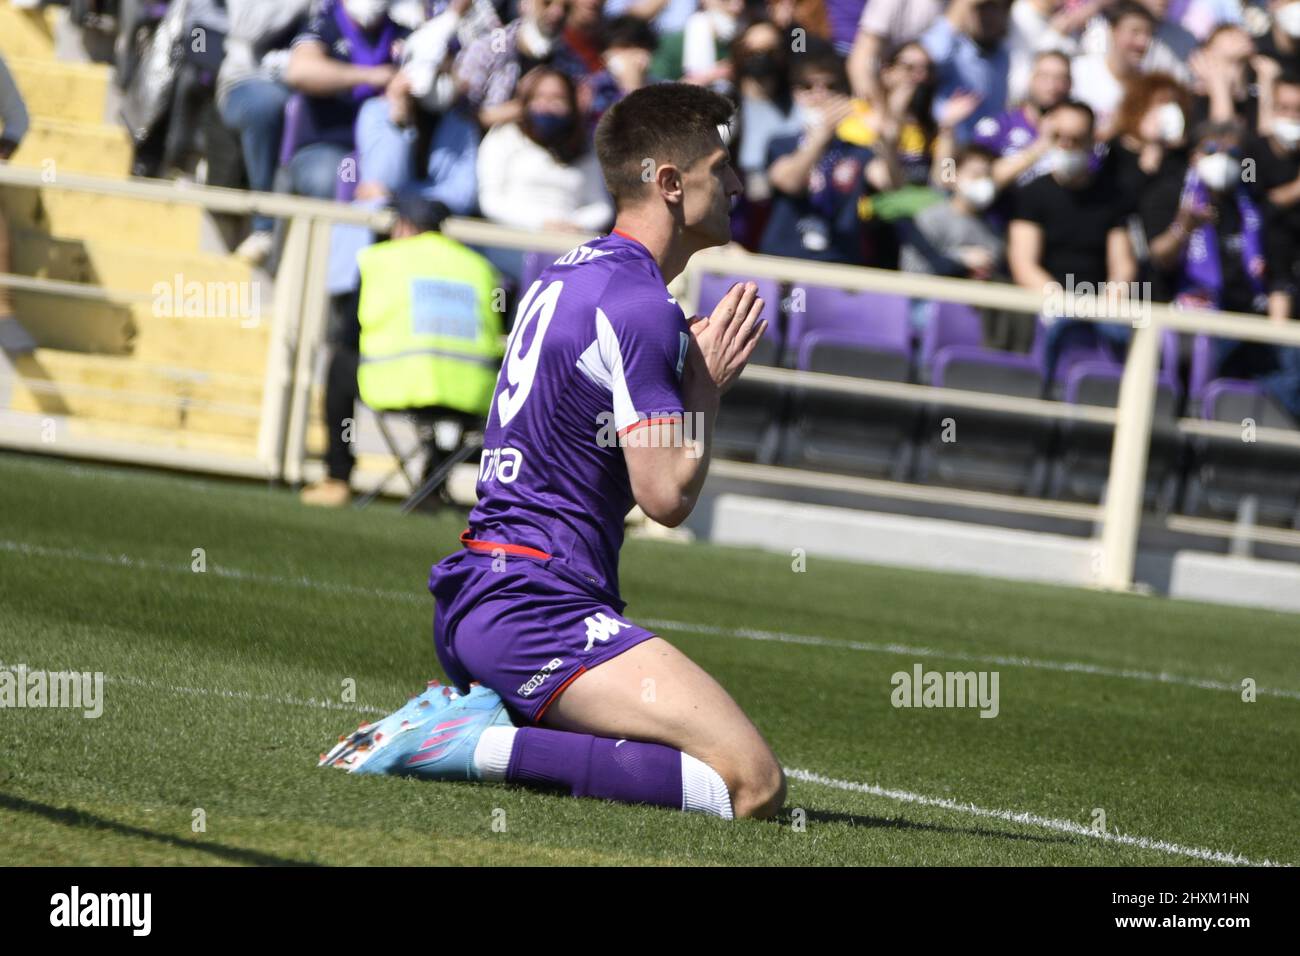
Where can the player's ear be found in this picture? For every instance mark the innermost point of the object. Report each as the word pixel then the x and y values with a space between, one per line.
pixel 668 178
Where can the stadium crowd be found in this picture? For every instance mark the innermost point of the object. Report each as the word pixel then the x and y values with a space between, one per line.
pixel 1030 141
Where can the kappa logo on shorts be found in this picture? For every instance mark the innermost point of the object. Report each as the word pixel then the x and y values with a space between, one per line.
pixel 538 679
pixel 601 627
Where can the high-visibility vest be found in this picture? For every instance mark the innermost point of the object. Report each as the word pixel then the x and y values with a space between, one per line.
pixel 429 334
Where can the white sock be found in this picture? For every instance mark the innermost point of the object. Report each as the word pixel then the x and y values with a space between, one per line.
pixel 703 790
pixel 492 754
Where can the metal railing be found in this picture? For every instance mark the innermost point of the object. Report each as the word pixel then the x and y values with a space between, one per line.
pixel 297 328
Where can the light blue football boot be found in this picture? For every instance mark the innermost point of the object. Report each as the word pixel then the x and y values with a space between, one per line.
pixel 433 736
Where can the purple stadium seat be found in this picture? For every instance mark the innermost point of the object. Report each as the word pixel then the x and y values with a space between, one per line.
pixel 864 316
pixel 1021 366
pixel 849 433
pixel 1081 371
pixel 1083 466
pixel 1227 472
pixel 1218 391
pixel 951 323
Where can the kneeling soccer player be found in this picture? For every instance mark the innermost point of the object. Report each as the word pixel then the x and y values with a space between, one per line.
pixel 528 620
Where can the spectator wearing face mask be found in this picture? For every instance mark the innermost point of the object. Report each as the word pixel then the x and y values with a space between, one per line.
pixel 1277 168
pixel 489 69
pixel 767 108
pixel 1214 249
pixel 968 46
pixel 1281 43
pixel 347 55
pixel 1099 78
pixel 1214 242
pixel 1150 138
pixel 821 182
pixel 953 238
pixel 767 112
pixel 629 45
pixel 1019 137
pixel 1068 231
pixel 540 172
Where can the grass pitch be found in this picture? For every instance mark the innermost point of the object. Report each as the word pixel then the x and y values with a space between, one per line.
pixel 224 685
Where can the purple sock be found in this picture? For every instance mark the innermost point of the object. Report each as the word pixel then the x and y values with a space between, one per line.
pixel 625 770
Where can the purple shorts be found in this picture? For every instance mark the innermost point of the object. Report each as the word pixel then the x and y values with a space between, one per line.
pixel 523 626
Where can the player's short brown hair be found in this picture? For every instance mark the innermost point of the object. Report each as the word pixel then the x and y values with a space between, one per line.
pixel 673 123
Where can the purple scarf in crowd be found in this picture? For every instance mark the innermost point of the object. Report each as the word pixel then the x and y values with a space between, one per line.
pixel 362 51
pixel 1200 283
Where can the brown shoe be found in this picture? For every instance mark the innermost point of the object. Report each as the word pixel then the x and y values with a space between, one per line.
pixel 330 493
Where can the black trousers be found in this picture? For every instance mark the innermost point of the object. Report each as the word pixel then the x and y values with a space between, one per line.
pixel 344 339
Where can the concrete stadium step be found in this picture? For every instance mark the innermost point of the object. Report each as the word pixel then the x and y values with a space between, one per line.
pixel 165 227
pixel 124 391
pixel 110 265
pixel 28 33
pixel 70 92
pixel 135 330
pixel 124 442
pixel 97 149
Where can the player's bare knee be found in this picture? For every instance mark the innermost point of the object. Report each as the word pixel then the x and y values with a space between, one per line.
pixel 759 790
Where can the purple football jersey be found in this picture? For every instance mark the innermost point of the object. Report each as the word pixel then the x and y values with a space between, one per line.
pixel 1007 134
pixel 597 349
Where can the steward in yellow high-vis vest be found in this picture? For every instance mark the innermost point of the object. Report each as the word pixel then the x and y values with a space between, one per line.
pixel 429 334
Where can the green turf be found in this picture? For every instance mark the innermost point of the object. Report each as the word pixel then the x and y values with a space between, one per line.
pixel 211 678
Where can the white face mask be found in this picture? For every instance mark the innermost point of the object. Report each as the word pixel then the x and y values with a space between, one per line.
pixel 1069 163
pixel 1287 132
pixel 978 192
pixel 365 13
pixel 1288 18
pixel 1218 171
pixel 724 25
pixel 1170 120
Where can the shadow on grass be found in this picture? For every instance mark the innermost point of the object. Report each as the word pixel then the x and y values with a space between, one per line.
pixel 72 817
pixel 856 820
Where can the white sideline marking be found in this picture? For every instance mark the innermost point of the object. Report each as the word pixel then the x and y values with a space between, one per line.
pixel 808 776
pixel 744 633
pixel 1030 819
pixel 1074 667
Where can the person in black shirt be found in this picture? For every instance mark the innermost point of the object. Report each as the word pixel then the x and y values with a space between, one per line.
pixel 1067 240
pixel 1150 142
pixel 1276 154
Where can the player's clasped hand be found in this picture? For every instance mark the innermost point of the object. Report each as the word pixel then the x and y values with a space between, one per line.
pixel 728 337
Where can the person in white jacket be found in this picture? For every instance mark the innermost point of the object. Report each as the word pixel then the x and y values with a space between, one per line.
pixel 541 173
